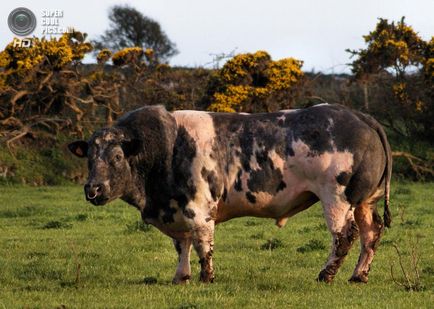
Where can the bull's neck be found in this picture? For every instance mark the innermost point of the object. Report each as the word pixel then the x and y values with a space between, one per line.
pixel 135 194
pixel 149 188
pixel 151 181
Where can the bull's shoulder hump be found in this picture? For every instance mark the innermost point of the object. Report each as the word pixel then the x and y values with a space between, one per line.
pixel 191 117
pixel 142 115
pixel 198 124
pixel 247 117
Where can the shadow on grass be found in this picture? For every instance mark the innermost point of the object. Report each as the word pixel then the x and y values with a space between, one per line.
pixel 270 287
pixel 272 244
pixel 137 226
pixel 312 245
pixel 149 280
pixel 308 229
pixel 81 217
pixel 57 225
pixel 21 212
pixel 38 269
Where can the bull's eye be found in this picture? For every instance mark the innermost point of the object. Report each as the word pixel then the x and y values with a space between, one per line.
pixel 118 157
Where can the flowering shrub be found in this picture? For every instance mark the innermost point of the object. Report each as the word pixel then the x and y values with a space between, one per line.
pixel 103 56
pixel 128 55
pixel 428 63
pixel 37 82
pixel 135 56
pixel 149 54
pixel 390 45
pixel 233 97
pixel 400 91
pixel 248 81
pixel 54 52
pixel 396 52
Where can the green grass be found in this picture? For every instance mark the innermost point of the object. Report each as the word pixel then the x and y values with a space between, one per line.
pixel 56 250
pixel 26 163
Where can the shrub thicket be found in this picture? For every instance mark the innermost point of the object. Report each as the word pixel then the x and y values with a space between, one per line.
pixel 48 96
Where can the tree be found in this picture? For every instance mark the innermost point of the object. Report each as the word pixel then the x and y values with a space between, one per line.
pixel 399 60
pixel 130 28
pixel 391 46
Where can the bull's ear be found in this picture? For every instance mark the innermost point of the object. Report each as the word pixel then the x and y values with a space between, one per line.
pixel 132 147
pixel 79 148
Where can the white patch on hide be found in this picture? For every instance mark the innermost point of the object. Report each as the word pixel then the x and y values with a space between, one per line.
pixel 200 127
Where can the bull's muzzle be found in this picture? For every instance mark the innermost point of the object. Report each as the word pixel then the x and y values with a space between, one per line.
pixel 95 193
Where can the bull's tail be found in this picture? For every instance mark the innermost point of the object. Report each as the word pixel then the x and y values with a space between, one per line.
pixel 387 175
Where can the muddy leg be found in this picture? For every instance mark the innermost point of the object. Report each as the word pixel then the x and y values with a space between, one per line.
pixel 371 228
pixel 183 271
pixel 340 221
pixel 203 242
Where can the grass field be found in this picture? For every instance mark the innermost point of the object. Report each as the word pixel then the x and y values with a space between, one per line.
pixel 56 250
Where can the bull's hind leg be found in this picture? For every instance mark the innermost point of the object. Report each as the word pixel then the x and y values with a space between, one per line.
pixel 340 221
pixel 371 228
pixel 183 271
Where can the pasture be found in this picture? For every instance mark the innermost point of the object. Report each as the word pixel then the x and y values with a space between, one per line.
pixel 56 250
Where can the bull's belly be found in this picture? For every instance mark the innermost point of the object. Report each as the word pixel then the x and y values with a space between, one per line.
pixel 283 204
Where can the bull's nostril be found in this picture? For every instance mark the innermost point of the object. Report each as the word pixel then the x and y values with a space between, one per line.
pixel 91 197
pixel 93 191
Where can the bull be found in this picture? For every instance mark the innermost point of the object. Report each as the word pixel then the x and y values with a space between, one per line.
pixel 187 171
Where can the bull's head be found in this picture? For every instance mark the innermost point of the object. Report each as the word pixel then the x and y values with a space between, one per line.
pixel 109 154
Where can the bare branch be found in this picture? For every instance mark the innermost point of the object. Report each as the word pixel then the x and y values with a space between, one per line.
pixel 418 165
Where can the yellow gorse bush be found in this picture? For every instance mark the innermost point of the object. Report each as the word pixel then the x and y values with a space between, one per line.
pixel 236 95
pixel 149 54
pixel 429 67
pixel 400 91
pixel 398 58
pixel 428 64
pixel 103 56
pixel 54 54
pixel 21 59
pixel 390 45
pixel 79 47
pixel 128 55
pixel 252 77
pixel 284 73
pixel 240 66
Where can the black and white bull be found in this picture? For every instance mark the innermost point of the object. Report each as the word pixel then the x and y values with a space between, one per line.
pixel 186 171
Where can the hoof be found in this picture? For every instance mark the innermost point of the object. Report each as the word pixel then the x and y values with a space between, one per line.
pixel 181 280
pixel 207 278
pixel 359 279
pixel 325 277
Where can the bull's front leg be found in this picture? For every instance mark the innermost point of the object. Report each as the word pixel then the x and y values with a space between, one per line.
pixel 203 242
pixel 183 271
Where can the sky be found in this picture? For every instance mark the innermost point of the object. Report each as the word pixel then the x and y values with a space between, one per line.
pixel 317 32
